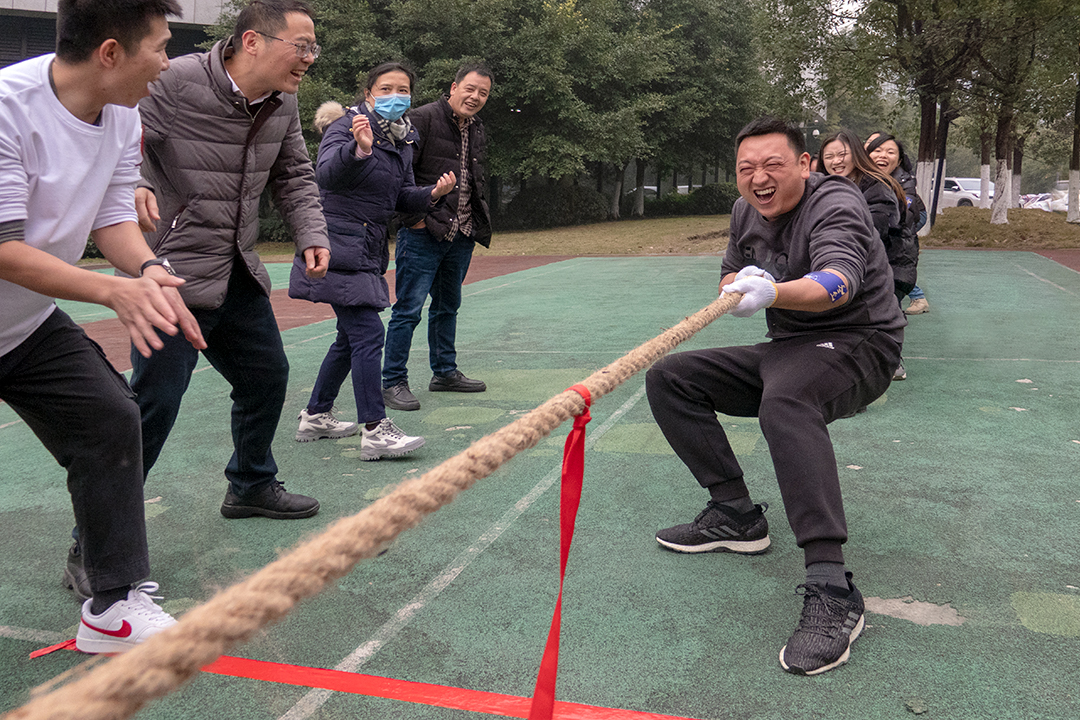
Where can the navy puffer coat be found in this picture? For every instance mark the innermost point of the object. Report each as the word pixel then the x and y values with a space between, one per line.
pixel 359 196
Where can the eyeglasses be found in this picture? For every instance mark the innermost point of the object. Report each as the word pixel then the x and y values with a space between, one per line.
pixel 838 157
pixel 302 49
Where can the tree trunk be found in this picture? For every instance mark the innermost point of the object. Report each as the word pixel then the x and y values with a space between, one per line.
pixel 639 196
pixel 986 145
pixel 1074 164
pixel 924 166
pixel 616 196
pixel 1017 166
pixel 999 209
pixel 495 197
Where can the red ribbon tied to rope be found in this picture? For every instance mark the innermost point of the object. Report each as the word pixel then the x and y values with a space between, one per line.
pixel 573 469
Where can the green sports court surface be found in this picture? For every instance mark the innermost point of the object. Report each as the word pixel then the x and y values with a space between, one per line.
pixel 961 490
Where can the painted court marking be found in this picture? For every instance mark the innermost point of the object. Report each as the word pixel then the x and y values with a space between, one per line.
pixel 1048 282
pixel 315 699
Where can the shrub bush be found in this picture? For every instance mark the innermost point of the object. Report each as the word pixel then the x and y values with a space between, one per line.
pixel 551 206
pixel 715 199
pixel 91 250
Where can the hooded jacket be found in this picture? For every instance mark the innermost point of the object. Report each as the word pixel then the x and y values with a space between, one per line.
pixel 359 196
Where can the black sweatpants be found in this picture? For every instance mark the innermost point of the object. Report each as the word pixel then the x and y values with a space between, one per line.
pixel 83 411
pixel 795 387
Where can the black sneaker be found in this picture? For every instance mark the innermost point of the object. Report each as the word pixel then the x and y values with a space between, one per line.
pixel 831 620
pixel 75 574
pixel 720 529
pixel 400 397
pixel 269 501
pixel 455 382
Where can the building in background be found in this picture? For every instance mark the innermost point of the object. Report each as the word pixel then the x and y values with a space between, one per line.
pixel 28 28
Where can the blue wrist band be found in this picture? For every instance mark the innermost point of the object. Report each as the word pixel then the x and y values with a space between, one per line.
pixel 836 287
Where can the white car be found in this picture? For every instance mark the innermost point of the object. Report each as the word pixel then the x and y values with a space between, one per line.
pixel 961 192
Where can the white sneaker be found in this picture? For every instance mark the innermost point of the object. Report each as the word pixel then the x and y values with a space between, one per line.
pixel 323 425
pixel 387 440
pixel 125 624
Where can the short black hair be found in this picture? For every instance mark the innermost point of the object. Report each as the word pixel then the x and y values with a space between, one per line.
pixel 82 25
pixel 768 125
pixel 474 67
pixel 386 67
pixel 269 16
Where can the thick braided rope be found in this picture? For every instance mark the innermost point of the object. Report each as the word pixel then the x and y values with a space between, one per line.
pixel 117 689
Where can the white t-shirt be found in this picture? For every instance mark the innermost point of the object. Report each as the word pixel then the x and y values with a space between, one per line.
pixel 60 175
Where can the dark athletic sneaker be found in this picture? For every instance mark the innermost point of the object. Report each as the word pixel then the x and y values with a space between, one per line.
pixel 830 622
pixel 720 529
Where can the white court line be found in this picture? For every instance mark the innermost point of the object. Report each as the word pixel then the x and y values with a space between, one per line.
pixel 1048 282
pixel 315 699
pixel 42 637
pixel 982 360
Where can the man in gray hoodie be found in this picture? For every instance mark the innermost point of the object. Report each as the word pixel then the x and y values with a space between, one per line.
pixel 802 245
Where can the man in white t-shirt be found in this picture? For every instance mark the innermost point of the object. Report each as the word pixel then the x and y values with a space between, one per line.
pixel 70 151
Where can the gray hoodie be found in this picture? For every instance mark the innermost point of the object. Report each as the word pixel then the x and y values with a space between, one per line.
pixel 829 228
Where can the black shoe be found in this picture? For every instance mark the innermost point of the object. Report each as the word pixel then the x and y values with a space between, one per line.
pixel 455 382
pixel 831 620
pixel 400 397
pixel 75 574
pixel 720 529
pixel 269 501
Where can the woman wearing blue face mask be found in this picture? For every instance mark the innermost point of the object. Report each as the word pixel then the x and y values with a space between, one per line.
pixel 364 171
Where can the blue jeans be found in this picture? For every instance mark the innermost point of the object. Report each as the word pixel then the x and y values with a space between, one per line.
pixel 84 413
pixel 916 293
pixel 358 348
pixel 425 266
pixel 244 345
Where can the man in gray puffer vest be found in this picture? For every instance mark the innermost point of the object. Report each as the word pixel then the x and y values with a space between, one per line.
pixel 218 128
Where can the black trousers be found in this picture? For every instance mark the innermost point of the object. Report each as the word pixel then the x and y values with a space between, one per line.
pixel 795 387
pixel 82 410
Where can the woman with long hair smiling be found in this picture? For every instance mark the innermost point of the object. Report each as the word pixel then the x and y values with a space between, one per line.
pixel 842 153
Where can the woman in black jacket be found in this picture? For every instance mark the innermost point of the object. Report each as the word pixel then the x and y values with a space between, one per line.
pixel 842 153
pixel 365 175
pixel 888 154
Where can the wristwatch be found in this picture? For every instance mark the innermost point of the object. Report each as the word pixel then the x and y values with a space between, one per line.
pixel 163 262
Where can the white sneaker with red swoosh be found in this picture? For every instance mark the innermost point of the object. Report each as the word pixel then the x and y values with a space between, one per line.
pixel 125 624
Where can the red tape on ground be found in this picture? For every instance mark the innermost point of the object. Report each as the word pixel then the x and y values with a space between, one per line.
pixel 415 692
pixel 476 701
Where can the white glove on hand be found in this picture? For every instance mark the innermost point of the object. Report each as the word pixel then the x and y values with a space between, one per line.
pixel 758 292
pixel 754 271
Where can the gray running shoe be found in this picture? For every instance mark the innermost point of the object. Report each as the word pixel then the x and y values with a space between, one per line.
pixel 830 622
pixel 720 529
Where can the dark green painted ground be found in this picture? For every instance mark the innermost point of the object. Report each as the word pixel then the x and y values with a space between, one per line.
pixel 961 490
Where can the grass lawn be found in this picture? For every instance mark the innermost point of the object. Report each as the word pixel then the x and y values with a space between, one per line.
pixel 703 235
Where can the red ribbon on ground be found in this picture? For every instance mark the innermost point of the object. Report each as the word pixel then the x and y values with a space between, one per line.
pixel 573 470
